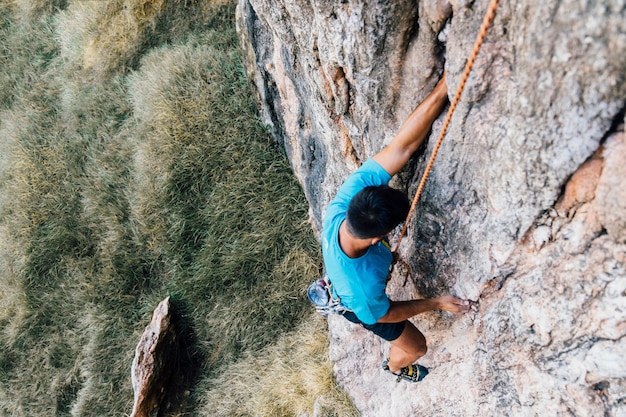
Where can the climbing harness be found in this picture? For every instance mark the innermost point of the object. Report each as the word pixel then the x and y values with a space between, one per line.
pixel 489 16
pixel 320 293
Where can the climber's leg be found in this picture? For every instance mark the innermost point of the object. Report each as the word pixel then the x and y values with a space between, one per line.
pixel 406 349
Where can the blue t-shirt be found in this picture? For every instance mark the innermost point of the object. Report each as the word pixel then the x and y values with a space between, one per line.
pixel 359 282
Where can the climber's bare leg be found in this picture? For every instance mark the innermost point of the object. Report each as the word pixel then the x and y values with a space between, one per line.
pixel 406 349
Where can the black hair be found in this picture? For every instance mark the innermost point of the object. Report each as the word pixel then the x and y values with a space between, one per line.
pixel 375 211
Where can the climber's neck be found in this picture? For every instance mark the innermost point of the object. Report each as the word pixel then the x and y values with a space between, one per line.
pixel 353 246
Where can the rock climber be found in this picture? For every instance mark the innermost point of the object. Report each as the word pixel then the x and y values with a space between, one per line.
pixel 356 253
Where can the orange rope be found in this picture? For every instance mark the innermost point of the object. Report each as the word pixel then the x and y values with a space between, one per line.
pixel 489 16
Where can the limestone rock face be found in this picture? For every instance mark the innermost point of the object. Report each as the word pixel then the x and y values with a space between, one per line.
pixel 152 366
pixel 524 211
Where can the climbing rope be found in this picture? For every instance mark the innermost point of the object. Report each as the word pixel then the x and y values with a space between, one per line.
pixel 489 16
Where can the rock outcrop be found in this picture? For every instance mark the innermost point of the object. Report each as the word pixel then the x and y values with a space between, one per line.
pixel 524 211
pixel 152 366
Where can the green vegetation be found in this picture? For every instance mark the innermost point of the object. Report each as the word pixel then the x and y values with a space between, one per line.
pixel 133 167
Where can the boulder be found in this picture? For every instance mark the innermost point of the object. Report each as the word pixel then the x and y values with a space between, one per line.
pixel 152 366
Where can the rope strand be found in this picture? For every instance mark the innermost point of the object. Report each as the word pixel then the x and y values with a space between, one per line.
pixel 489 16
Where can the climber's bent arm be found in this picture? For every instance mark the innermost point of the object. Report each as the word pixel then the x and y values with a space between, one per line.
pixel 414 130
pixel 403 310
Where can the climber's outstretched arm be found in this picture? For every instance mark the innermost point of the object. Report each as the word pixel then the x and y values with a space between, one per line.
pixel 403 310
pixel 414 130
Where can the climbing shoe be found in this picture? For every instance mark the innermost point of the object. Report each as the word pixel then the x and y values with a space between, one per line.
pixel 411 373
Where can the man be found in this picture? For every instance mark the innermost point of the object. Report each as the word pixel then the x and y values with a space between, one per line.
pixel 357 256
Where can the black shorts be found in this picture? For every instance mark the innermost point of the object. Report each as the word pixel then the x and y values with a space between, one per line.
pixel 388 331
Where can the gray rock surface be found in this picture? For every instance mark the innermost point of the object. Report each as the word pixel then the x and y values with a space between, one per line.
pixel 524 211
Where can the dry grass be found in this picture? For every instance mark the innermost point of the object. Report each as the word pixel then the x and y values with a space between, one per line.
pixel 118 31
pixel 211 191
pixel 283 379
pixel 28 10
pixel 104 38
pixel 122 187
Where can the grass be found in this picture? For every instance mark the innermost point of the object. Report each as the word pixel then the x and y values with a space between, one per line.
pixel 133 167
pixel 282 379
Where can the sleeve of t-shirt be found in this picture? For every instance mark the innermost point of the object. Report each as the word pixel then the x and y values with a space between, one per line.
pixel 370 173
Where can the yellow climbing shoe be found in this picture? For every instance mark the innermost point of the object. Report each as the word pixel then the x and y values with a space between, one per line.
pixel 411 373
